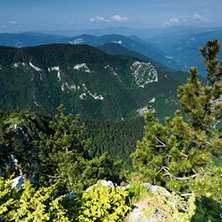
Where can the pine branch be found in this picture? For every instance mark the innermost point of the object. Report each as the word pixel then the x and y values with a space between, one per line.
pixel 162 143
pixel 160 146
pixel 187 156
pixel 166 169
pixel 54 177
pixel 187 194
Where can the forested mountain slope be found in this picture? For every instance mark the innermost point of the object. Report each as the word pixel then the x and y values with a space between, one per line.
pixel 86 80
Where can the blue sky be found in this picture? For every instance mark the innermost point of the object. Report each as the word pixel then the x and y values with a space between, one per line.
pixel 46 15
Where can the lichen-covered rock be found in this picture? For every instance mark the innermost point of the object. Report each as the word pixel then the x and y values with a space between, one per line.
pixel 155 206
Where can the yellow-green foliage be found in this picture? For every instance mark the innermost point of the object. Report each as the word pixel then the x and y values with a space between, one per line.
pixel 103 204
pixel 7 200
pixel 39 205
pixel 30 204
pixel 99 203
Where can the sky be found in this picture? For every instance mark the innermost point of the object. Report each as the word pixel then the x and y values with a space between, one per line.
pixel 49 15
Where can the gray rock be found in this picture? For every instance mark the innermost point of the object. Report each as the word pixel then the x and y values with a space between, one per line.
pixel 17 182
pixel 137 215
pixel 105 183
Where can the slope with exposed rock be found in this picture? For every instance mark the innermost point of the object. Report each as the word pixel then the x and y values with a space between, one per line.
pixel 84 79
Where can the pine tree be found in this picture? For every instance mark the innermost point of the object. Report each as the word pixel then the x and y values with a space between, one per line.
pixel 179 155
pixel 64 159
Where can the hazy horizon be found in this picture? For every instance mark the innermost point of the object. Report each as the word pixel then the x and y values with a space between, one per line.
pixel 51 15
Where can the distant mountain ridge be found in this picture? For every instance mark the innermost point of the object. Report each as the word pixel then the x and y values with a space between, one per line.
pixel 175 47
pixel 86 80
pixel 183 46
pixel 131 43
pixel 29 39
pixel 117 49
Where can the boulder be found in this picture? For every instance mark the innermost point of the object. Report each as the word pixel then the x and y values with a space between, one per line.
pixel 138 213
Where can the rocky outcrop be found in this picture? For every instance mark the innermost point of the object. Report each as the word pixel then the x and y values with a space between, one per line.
pixel 138 214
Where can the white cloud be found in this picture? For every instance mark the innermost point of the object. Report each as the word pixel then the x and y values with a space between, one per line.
pixel 172 21
pixel 196 16
pixel 101 19
pixel 119 18
pixel 13 22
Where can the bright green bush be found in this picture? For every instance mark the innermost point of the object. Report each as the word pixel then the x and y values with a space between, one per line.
pixel 8 200
pixel 102 203
pixel 30 204
pixel 39 205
